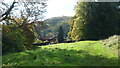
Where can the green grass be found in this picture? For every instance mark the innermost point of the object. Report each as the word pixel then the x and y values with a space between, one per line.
pixel 82 53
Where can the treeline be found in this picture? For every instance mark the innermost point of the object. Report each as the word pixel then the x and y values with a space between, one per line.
pixel 95 20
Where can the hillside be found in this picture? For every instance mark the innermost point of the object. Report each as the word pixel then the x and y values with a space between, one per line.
pixel 55 20
pixel 53 24
pixel 82 53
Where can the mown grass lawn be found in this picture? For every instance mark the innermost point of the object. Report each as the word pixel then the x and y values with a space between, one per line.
pixel 82 53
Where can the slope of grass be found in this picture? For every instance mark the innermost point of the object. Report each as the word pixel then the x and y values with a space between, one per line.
pixel 82 53
pixel 113 43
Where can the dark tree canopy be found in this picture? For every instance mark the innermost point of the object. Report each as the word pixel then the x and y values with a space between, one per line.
pixel 95 20
pixel 60 35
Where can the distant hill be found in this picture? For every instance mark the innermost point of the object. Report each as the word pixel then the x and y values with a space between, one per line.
pixel 53 24
pixel 55 20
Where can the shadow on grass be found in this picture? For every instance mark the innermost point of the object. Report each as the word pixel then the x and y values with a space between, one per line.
pixel 59 57
pixel 80 58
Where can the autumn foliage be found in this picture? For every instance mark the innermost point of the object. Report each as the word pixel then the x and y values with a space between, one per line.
pixel 16 39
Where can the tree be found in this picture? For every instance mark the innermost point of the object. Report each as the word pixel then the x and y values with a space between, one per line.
pixel 94 21
pixel 5 14
pixel 26 12
pixel 60 35
pixel 31 11
pixel 12 39
pixel 22 14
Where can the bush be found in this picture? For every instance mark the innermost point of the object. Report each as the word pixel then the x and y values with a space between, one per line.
pixel 17 38
pixel 12 39
pixel 29 36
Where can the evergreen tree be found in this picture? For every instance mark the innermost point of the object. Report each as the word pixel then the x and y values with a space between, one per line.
pixel 60 35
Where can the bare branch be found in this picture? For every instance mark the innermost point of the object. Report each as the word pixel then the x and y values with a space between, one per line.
pixel 6 5
pixel 5 15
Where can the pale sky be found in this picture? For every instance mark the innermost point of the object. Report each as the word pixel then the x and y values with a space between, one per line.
pixel 60 8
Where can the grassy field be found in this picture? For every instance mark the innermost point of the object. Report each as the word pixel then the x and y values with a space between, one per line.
pixel 82 53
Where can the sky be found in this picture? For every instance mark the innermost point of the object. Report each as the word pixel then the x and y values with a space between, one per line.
pixel 60 8
pixel 57 8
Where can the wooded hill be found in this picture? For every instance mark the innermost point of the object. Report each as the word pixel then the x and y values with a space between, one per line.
pixel 52 25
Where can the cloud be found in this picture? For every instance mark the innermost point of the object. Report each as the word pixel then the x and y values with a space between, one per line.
pixel 60 7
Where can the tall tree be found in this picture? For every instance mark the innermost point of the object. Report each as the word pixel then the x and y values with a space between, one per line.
pixel 60 35
pixel 95 20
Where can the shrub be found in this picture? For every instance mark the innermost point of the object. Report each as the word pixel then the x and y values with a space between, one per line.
pixel 29 36
pixel 12 39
